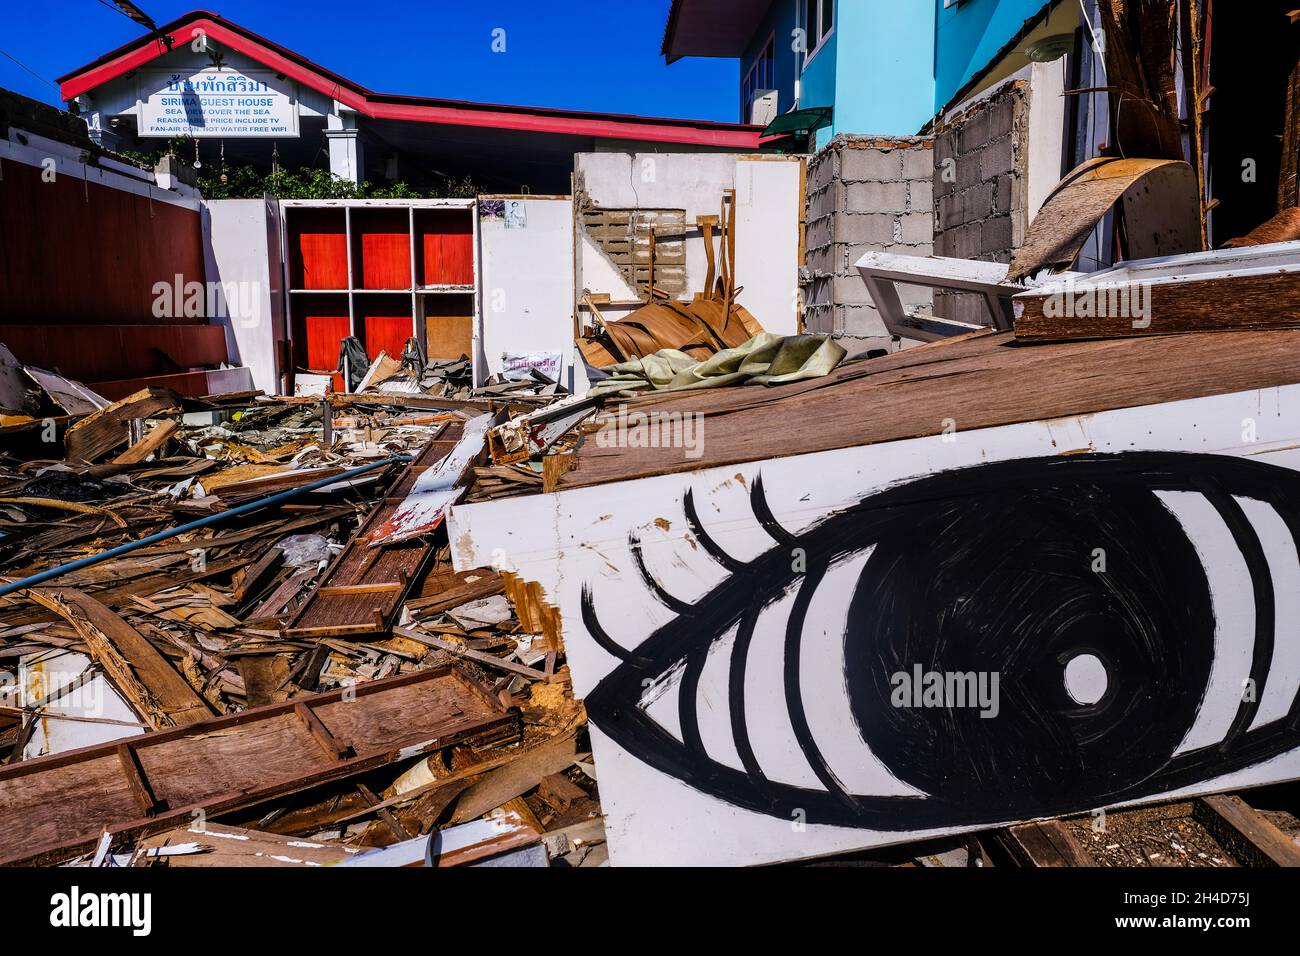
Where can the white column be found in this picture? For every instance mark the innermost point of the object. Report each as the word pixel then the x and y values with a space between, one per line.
pixel 346 152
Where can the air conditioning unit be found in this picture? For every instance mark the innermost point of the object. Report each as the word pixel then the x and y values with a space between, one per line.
pixel 763 110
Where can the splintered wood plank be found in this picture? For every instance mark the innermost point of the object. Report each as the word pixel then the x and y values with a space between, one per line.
pixel 100 433
pixel 516 778
pixel 981 381
pixel 1250 835
pixel 146 446
pixel 54 807
pixel 1210 304
pixel 1046 843
pixel 219 845
pixel 434 491
pixel 362 591
pixel 153 688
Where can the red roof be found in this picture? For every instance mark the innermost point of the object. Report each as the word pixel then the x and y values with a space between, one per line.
pixel 134 55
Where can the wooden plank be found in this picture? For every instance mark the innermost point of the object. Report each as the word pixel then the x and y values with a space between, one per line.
pixel 435 490
pixel 329 743
pixel 152 687
pixel 55 807
pixel 1046 843
pixel 218 845
pixel 149 803
pixel 977 381
pixel 1252 287
pixel 516 778
pixel 98 434
pixel 1246 832
pixel 489 660
pixel 361 592
pixel 152 442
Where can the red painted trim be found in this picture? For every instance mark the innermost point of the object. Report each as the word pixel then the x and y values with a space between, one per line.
pixel 414 109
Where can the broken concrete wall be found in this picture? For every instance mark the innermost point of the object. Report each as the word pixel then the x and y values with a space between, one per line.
pixel 865 194
pixel 981 181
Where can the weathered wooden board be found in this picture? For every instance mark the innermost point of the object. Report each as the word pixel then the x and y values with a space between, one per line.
pixel 1232 289
pixel 1101 608
pixel 978 381
pixel 362 591
pixel 434 491
pixel 54 807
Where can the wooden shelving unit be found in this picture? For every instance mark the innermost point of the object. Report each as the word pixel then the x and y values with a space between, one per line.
pixel 383 270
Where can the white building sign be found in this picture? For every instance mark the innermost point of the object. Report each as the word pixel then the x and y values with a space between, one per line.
pixel 216 103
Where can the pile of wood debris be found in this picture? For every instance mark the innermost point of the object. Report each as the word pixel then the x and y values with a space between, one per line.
pixel 299 667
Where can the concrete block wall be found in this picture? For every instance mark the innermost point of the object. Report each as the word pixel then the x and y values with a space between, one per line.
pixel 865 193
pixel 981 188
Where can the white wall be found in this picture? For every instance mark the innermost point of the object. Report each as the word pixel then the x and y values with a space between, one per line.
pixel 526 276
pixel 242 248
pixel 769 198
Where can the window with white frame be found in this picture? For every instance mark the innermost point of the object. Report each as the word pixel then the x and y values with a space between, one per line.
pixel 761 76
pixel 819 21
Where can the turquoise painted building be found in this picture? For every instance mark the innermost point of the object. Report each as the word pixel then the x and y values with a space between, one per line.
pixel 884 67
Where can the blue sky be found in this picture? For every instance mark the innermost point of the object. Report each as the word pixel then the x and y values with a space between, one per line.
pixel 579 54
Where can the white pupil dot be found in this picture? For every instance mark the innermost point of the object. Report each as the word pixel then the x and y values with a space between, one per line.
pixel 1085 679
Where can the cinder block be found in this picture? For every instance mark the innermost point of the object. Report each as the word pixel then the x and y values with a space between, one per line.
pixel 821 171
pixel 961 307
pixel 915 249
pixel 877 197
pixel 918 163
pixel 860 321
pixel 821 207
pixel 997 159
pixel 978 202
pixel 920 195
pixel 871 164
pixel 968 241
pixel 851 290
pixel 875 227
pixel 1002 116
pixel 852 253
pixel 974 133
pixel 995 235
pixel 1002 194
pixel 968 171
pixel 917 227
pixel 862 344
pixel 945 146
pixel 821 261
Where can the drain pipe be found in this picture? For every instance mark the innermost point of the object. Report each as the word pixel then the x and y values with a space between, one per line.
pixel 130 546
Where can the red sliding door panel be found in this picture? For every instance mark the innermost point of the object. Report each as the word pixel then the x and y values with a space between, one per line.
pixel 383 240
pixel 318 249
pixel 320 324
pixel 445 246
pixel 384 323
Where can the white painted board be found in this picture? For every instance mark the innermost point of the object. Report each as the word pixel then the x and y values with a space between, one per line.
pixel 527 282
pixel 1130 578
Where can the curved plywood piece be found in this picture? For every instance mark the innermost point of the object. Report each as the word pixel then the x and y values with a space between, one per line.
pixel 1161 210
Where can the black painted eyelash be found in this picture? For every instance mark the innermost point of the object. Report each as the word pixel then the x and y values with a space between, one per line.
pixel 1083 756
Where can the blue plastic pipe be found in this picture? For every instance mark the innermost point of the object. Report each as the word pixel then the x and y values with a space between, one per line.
pixel 195 525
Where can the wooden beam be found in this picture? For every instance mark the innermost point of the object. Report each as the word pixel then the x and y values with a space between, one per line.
pixel 236 762
pixel 153 688
pixel 1245 831
pixel 152 442
pixel 328 742
pixel 1045 843
pixel 138 783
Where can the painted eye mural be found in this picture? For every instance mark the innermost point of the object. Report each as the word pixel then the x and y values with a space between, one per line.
pixel 1097 597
